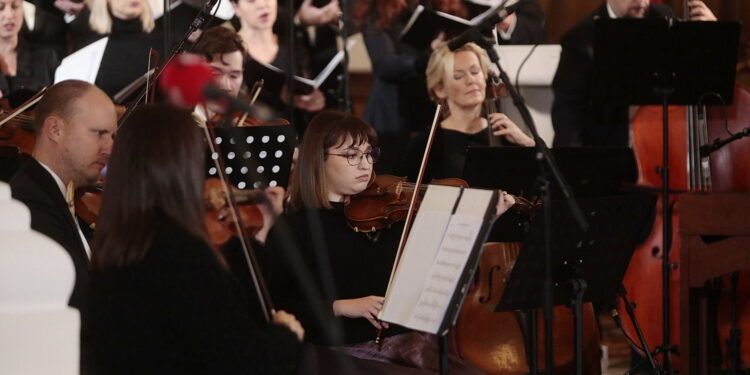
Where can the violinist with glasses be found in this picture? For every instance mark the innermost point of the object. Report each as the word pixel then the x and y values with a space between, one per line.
pixel 335 164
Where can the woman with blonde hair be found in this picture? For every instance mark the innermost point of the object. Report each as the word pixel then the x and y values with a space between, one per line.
pixel 132 33
pixel 458 80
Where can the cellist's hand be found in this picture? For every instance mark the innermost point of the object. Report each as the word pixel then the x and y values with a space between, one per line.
pixel 504 126
pixel 505 202
pixel 288 320
pixel 275 196
pixel 366 307
pixel 699 11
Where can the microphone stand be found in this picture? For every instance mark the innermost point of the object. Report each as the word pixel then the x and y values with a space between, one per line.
pixel 291 40
pixel 345 99
pixel 706 150
pixel 167 23
pixel 548 167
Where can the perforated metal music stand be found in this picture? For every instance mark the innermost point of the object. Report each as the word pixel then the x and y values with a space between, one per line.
pixel 254 157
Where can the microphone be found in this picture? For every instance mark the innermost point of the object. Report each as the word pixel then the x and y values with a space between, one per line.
pixel 188 80
pixel 474 34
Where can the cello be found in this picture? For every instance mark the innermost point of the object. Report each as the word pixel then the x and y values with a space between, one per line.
pixel 725 170
pixel 496 342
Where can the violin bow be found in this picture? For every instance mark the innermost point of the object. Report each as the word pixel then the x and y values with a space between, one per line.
pixel 23 107
pixel 257 87
pixel 264 297
pixel 413 202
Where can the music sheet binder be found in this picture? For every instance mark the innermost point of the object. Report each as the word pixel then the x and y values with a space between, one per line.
pixel 254 157
pixel 425 25
pixel 439 259
pixel 275 78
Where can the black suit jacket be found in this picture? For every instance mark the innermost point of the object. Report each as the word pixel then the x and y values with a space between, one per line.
pixel 36 188
pixel 576 118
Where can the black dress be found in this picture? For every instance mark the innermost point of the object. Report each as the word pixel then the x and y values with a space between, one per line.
pixel 178 311
pixel 360 267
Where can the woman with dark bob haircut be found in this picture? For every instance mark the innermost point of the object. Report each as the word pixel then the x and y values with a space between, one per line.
pixel 161 299
pixel 335 162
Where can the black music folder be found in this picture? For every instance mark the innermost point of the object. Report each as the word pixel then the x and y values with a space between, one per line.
pixel 425 25
pixel 274 78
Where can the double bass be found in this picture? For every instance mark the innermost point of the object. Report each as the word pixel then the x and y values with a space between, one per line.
pixel 727 169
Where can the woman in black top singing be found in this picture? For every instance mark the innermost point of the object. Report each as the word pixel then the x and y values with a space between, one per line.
pixel 23 65
pixel 162 300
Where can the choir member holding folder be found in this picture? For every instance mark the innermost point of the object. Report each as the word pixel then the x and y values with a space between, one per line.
pixel 336 161
pixel 398 104
pixel 264 45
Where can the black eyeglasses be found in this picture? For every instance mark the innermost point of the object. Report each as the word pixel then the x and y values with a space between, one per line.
pixel 355 157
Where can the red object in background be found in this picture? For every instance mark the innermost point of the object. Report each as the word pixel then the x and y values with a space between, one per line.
pixel 184 79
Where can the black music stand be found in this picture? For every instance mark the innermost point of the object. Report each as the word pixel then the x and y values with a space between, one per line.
pixel 580 258
pixel 590 172
pixel 664 62
pixel 254 157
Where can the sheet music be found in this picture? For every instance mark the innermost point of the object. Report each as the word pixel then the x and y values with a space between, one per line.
pixel 435 257
pixel 82 64
pixel 423 243
pixel 450 261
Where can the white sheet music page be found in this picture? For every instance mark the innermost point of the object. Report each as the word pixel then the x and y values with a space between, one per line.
pixel 437 270
pixel 421 247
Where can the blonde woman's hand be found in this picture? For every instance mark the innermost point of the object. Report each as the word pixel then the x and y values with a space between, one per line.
pixel 501 125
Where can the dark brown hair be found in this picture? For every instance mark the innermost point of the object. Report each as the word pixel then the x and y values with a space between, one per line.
pixel 59 100
pixel 156 171
pixel 327 129
pixel 219 40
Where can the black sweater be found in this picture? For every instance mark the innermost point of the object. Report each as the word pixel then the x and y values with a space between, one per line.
pixel 360 267
pixel 178 310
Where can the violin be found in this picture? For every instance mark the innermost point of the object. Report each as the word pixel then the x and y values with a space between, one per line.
pixel 87 202
pixel 241 118
pixel 386 201
pixel 17 126
pixel 219 221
